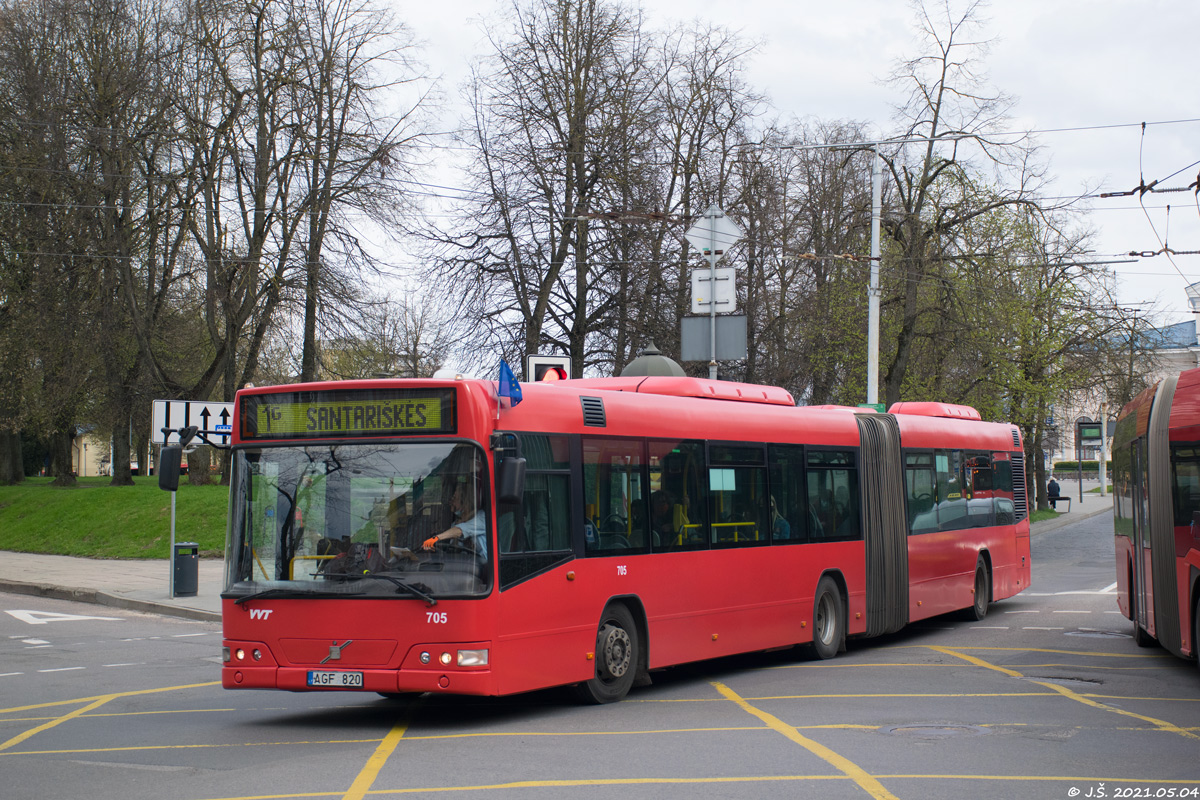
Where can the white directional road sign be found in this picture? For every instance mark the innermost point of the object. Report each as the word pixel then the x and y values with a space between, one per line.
pixel 215 420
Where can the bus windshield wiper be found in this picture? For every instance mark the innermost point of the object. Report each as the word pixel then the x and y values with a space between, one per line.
pixel 281 592
pixel 420 590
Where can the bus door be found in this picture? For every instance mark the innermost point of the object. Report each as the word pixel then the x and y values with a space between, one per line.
pixel 1141 590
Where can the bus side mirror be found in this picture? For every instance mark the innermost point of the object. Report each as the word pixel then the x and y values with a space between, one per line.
pixel 169 461
pixel 510 480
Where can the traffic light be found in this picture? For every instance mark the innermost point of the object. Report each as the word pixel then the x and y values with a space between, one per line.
pixel 547 368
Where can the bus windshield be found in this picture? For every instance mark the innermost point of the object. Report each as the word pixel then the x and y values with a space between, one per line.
pixel 402 520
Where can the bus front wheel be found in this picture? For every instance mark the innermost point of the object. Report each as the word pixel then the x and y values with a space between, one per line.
pixel 616 659
pixel 829 623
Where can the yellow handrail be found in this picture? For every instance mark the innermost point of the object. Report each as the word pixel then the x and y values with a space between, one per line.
pixel 292 564
pixel 735 526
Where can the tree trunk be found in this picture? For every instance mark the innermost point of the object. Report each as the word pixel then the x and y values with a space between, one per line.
pixel 12 468
pixel 198 466
pixel 60 459
pixel 120 460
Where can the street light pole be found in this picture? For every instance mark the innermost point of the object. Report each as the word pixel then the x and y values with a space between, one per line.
pixel 873 291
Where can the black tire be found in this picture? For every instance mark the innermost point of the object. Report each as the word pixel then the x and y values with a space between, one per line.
pixel 618 656
pixel 1196 631
pixel 829 619
pixel 1140 636
pixel 983 592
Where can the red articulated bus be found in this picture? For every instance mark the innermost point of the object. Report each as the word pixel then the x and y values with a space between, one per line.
pixel 1156 499
pixel 400 536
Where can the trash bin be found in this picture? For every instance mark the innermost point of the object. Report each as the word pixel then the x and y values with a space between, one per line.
pixel 187 568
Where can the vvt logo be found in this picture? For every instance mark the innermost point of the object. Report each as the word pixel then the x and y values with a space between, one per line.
pixel 260 613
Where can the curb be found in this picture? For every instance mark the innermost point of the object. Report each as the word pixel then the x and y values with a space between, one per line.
pixel 1046 526
pixel 98 597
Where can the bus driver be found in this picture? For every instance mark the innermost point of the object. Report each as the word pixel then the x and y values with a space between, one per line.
pixel 470 524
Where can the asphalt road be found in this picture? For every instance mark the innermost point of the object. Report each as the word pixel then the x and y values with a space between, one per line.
pixel 1048 697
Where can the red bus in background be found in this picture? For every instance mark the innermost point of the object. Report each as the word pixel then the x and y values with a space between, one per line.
pixel 1156 499
pixel 402 536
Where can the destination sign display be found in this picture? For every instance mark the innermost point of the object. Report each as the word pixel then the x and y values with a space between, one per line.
pixel 381 412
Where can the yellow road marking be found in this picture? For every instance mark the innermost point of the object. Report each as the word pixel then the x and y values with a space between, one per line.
pixel 597 782
pixel 870 696
pixel 367 775
pixel 1058 652
pixel 139 748
pixel 54 703
pixel 1162 725
pixel 979 662
pixel 57 721
pixel 851 770
pixel 131 714
pixel 430 738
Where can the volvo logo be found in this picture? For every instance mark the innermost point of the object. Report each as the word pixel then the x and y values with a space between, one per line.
pixel 335 651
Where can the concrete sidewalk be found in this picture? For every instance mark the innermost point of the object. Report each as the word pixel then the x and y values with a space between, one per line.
pixel 139 585
pixel 1091 505
pixel 142 585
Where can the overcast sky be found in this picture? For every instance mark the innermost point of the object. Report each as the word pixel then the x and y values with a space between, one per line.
pixel 1067 63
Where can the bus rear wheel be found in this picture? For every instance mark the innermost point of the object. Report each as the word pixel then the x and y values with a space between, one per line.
pixel 617 657
pixel 983 592
pixel 829 623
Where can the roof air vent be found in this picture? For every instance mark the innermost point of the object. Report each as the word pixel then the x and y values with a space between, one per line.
pixel 593 412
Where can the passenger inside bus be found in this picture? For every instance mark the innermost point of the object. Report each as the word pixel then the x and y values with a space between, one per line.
pixel 780 528
pixel 661 516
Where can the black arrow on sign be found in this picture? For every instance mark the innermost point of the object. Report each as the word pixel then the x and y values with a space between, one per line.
pixel 204 416
pixel 224 416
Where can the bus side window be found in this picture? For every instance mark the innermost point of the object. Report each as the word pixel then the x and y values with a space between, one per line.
pixel 737 488
pixel 678 482
pixel 1185 469
pixel 833 494
pixel 952 505
pixel 614 497
pixel 1006 509
pixel 977 488
pixel 921 482
pixel 789 521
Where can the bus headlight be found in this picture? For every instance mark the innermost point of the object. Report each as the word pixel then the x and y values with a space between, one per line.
pixel 472 658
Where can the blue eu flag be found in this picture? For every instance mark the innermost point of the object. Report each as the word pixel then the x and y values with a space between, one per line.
pixel 508 384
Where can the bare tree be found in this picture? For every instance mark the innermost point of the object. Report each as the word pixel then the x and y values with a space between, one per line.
pixel 546 132
pixel 352 55
pixel 947 113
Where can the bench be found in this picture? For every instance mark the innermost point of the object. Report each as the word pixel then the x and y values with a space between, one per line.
pixel 1054 501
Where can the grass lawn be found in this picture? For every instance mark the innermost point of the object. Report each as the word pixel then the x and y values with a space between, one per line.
pixel 1039 516
pixel 101 521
